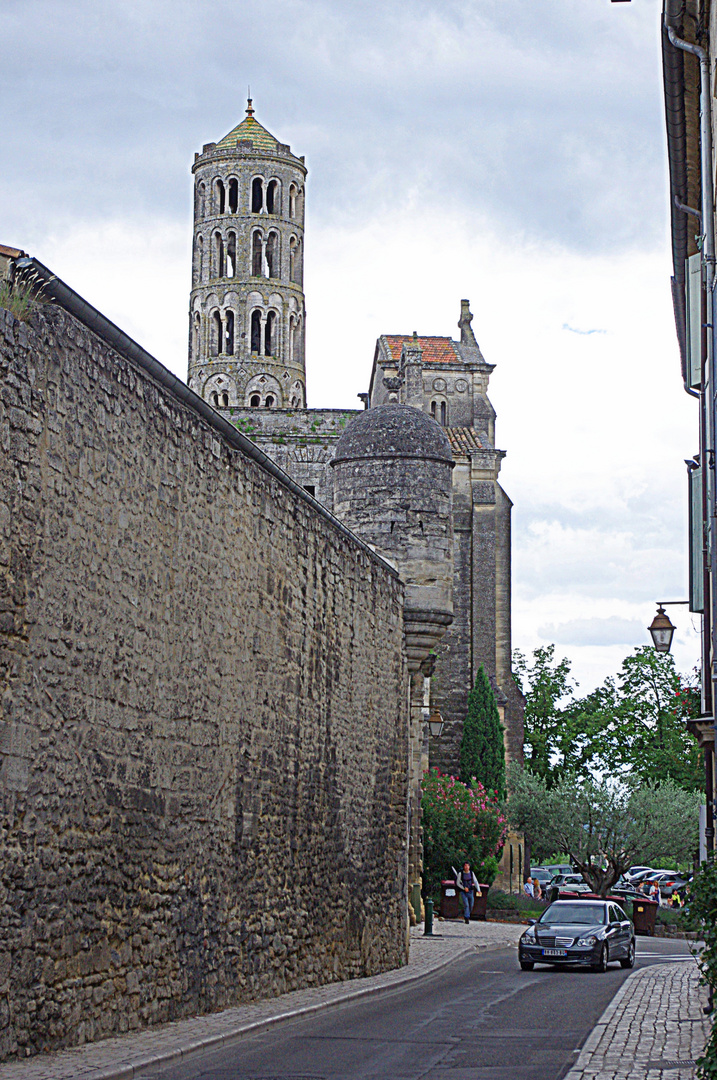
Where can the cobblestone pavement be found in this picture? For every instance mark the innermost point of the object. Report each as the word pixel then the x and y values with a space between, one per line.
pixel 654 1021
pixel 127 1056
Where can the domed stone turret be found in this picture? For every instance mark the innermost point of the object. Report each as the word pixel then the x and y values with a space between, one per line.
pixel 392 486
pixel 393 430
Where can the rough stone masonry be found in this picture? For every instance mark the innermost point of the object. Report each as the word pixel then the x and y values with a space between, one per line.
pixel 203 712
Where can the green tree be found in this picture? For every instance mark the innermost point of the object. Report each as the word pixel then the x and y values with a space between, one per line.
pixel 636 723
pixel 633 724
pixel 545 683
pixel 459 823
pixel 605 827
pixel 482 752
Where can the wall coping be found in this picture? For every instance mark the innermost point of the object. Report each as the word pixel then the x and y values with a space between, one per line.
pixel 62 294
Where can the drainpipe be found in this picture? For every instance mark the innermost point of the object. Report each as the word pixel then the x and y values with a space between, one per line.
pixel 673 11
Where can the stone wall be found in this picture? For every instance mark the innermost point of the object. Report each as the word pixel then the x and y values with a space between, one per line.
pixel 203 725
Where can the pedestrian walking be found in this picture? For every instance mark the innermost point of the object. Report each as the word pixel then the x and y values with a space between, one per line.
pixel 467 884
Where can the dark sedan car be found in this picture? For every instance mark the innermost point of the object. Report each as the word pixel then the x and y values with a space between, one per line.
pixel 590 932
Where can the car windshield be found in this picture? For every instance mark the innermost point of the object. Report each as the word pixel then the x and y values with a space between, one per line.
pixel 573 914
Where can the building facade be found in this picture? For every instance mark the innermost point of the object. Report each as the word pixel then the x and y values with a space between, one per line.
pixel 689 64
pixel 256 379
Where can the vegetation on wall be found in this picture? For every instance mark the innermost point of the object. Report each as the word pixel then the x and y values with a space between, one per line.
pixel 703 915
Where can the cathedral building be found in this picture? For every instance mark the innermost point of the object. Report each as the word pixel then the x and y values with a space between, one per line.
pixel 247 359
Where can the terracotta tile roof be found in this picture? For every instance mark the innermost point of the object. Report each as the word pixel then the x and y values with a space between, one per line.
pixel 436 350
pixel 463 439
pixel 252 131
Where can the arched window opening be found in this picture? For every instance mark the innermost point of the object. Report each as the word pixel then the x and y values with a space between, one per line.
pixel 257 254
pixel 292 259
pixel 225 400
pixel 272 197
pixel 219 256
pixel 295 404
pixel 232 254
pixel 220 196
pixel 214 399
pixel 272 254
pixel 444 414
pixel 201 189
pixel 256 332
pixel 433 409
pixel 216 333
pixel 292 336
pixel 229 334
pixel 255 401
pixel 197 335
pixel 233 196
pixel 257 195
pixel 270 334
pixel 199 264
pixel 292 201
pixel 269 401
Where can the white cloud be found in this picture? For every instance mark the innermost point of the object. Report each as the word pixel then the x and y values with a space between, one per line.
pixel 509 151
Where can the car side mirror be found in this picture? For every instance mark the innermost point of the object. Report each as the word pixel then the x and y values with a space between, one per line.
pixel 532 921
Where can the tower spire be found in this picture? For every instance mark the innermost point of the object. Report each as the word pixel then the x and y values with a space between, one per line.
pixel 249 106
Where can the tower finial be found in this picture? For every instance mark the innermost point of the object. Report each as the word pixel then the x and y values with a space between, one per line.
pixel 249 107
pixel 464 325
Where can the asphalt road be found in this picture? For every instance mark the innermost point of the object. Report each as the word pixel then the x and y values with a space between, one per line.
pixel 483 1017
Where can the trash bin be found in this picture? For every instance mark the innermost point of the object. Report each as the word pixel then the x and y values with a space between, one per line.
pixel 644 915
pixel 479 904
pixel 450 901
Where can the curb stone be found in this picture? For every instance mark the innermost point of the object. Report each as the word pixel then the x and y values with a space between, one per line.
pixel 632 1040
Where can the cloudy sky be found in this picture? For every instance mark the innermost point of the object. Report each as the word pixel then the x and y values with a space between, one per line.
pixel 508 151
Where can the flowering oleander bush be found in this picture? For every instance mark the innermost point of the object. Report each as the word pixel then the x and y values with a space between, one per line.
pixel 460 823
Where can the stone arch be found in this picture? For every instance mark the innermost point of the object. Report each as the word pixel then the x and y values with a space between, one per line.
pixel 220 390
pixel 220 196
pixel 272 197
pixel 233 195
pixel 264 386
pixel 297 395
pixel 257 195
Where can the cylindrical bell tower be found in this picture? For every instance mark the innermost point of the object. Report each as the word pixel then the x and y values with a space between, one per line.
pixel 247 317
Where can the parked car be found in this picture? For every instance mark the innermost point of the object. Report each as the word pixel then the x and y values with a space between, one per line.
pixel 635 870
pixel 541 874
pixel 589 932
pixel 635 879
pixel 561 868
pixel 561 883
pixel 669 881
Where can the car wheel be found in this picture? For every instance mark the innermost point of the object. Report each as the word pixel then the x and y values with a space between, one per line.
pixel 629 960
pixel 602 960
pixel 526 965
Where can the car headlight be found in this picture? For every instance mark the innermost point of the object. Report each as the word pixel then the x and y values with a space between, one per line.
pixel 588 942
pixel 529 936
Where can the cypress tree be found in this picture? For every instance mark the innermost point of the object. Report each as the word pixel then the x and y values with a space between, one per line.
pixel 482 749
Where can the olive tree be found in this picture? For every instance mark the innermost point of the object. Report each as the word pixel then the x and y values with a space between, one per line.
pixel 603 825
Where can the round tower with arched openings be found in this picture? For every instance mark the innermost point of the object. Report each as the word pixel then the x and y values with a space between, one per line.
pixel 246 311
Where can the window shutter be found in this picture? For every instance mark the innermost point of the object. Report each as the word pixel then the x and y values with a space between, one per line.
pixel 697 541
pixel 693 308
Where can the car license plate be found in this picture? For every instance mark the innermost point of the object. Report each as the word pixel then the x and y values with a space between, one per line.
pixel 555 952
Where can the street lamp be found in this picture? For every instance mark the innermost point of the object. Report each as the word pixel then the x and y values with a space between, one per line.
pixel 435 723
pixel 661 629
